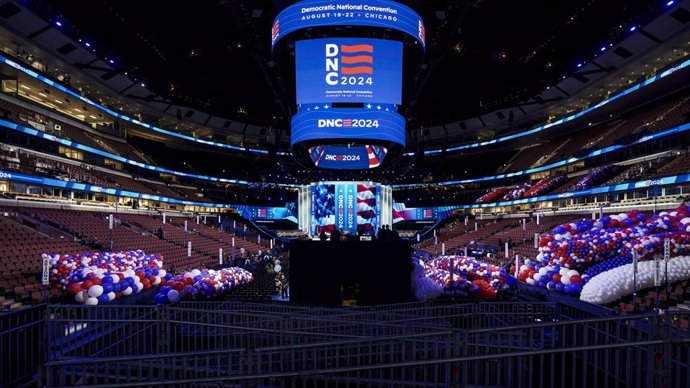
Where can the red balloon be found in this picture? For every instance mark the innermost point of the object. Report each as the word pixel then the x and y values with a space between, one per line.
pixel 74 288
pixel 86 285
pixel 178 286
pixel 146 283
pixel 576 279
pixel 557 278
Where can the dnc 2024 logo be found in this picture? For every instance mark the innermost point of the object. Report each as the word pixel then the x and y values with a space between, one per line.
pixel 349 64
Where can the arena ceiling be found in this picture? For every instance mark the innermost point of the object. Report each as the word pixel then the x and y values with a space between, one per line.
pixel 215 56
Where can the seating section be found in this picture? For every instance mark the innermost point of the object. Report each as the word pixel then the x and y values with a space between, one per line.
pixel 491 233
pixel 24 116
pixel 680 165
pixel 21 246
pixel 20 250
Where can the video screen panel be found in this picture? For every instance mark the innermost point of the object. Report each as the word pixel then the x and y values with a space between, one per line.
pixel 352 207
pixel 347 158
pixel 348 70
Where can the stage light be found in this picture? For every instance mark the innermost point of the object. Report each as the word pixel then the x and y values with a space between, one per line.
pixel 670 3
pixel 633 28
pixel 579 65
pixel 603 48
pixel 57 23
pixel 87 44
pixel 111 61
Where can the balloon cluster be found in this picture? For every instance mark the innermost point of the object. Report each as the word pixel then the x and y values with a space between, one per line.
pixel 576 253
pixel 198 284
pixel 613 284
pixel 471 277
pixel 604 266
pixel 423 288
pixel 99 278
pixel 599 175
pixel 553 277
pixel 518 191
pixel 493 195
pixel 581 244
pixel 545 185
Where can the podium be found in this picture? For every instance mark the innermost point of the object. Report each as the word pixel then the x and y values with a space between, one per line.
pixel 371 272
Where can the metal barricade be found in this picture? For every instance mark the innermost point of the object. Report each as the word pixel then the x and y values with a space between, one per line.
pixel 21 344
pixel 414 345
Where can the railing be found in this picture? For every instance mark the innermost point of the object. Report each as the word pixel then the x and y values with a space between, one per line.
pixel 411 344
pixel 21 342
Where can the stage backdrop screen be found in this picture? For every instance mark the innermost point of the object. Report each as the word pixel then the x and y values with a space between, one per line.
pixel 353 207
pixel 348 70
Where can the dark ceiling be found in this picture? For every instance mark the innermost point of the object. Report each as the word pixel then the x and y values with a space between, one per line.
pixel 215 55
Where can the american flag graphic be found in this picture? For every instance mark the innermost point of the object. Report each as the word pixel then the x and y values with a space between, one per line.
pixel 275 31
pixel 325 208
pixel 357 59
pixel 422 32
pixel 366 209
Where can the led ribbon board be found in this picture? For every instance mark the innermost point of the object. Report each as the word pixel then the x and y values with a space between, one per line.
pixel 347 158
pixel 375 123
pixel 366 13
pixel 348 70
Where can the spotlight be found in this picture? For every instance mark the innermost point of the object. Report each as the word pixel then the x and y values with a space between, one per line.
pixel 633 28
pixel 670 3
pixel 87 44
pixel 58 23
pixel 603 48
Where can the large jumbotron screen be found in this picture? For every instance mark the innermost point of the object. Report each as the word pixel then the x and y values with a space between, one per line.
pixel 354 207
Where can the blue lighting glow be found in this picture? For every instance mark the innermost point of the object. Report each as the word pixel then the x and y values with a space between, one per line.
pixel 579 65
pixel 633 28
pixel 121 116
pixel 670 3
pixel 87 44
pixel 58 23
pixel 603 48
pixel 75 145
pixel 111 61
pixel 599 152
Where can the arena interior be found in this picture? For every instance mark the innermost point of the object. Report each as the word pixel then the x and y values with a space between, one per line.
pixel 370 193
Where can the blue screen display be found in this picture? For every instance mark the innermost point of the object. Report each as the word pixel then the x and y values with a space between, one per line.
pixel 348 70
pixel 368 13
pixel 373 122
pixel 356 157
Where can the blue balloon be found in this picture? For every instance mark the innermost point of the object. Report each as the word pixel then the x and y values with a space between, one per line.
pixel 106 279
pixel 107 287
pixel 103 299
pixel 559 287
pixel 161 299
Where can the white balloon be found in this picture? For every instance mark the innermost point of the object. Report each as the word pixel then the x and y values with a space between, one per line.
pixel 81 296
pixel 95 291
pixel 277 268
pixel 127 291
pixel 91 301
pixel 111 296
pixel 613 284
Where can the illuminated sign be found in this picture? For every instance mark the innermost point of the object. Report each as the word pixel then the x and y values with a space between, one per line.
pixel 373 122
pixel 348 70
pixel 367 13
